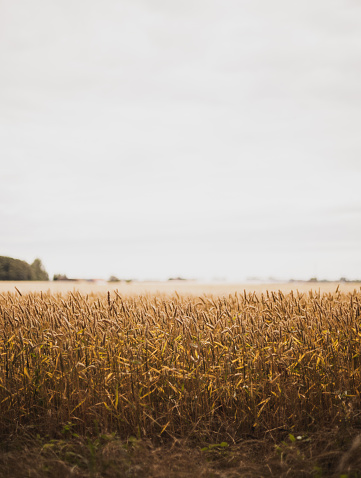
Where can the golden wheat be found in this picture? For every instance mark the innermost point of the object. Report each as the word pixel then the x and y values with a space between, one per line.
pixel 157 365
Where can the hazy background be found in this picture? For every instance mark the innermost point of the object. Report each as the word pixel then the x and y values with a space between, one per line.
pixel 196 138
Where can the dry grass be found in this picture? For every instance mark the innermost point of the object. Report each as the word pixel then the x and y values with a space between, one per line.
pixel 214 371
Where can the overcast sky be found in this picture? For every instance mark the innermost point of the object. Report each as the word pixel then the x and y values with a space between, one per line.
pixel 197 138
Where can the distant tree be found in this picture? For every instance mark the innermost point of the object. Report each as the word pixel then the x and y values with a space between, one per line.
pixel 38 271
pixel 14 269
pixel 113 279
pixel 60 277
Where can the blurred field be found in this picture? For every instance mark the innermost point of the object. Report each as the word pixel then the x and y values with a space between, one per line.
pixel 169 287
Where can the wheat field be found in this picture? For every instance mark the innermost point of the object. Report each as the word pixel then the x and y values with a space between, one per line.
pixel 188 287
pixel 159 364
pixel 212 368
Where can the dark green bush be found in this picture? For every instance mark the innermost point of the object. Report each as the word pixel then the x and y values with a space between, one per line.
pixel 15 269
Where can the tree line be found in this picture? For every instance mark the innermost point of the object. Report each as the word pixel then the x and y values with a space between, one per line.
pixel 15 269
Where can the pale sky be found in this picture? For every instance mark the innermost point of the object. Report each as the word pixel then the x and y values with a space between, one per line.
pixel 196 138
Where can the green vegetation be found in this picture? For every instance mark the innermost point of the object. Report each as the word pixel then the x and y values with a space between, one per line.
pixel 113 279
pixel 15 269
pixel 60 277
pixel 38 271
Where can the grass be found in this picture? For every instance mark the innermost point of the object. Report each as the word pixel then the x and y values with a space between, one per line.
pixel 243 385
